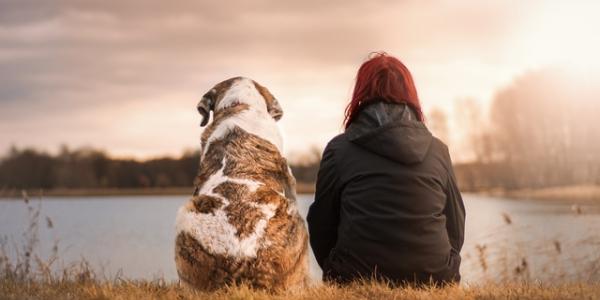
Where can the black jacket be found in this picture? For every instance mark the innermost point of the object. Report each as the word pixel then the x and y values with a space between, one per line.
pixel 386 202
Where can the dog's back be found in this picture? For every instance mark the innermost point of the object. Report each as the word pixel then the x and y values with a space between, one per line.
pixel 242 224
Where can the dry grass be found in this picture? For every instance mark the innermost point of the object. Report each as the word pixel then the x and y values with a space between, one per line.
pixel 569 193
pixel 579 193
pixel 365 290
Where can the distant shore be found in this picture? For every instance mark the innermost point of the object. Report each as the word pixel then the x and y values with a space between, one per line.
pixel 301 188
pixel 574 193
pixel 570 193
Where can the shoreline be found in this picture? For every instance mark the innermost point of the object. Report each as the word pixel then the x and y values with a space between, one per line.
pixel 7 194
pixel 577 194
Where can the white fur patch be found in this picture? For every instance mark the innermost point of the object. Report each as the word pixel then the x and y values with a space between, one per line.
pixel 214 231
pixel 255 120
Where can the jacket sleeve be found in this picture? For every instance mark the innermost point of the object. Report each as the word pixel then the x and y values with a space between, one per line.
pixel 323 214
pixel 454 211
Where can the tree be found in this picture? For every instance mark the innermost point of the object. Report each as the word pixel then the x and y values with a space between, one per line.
pixel 544 128
pixel 471 121
pixel 438 124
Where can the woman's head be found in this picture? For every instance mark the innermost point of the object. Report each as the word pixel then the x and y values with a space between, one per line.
pixel 382 78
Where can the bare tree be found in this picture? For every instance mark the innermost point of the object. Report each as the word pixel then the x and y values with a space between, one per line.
pixel 544 127
pixel 437 120
pixel 471 121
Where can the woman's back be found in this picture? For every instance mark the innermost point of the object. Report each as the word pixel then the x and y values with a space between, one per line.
pixel 386 201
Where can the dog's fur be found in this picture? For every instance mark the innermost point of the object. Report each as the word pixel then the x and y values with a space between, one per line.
pixel 242 224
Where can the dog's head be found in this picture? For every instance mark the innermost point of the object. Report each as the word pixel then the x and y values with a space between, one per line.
pixel 236 89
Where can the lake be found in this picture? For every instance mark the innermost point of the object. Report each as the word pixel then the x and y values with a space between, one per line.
pixel 133 236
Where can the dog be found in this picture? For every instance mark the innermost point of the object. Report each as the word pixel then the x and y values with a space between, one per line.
pixel 241 225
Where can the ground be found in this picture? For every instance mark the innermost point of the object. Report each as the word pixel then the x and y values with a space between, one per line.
pixel 160 290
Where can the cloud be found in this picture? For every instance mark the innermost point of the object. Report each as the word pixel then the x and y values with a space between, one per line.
pixel 61 59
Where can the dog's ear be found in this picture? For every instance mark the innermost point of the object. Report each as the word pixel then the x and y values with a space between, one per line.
pixel 275 110
pixel 273 106
pixel 205 106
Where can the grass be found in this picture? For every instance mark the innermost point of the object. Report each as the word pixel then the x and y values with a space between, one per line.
pixel 570 193
pixel 364 290
pixel 25 275
pixel 575 193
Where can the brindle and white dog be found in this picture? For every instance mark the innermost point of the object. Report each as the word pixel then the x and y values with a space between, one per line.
pixel 242 224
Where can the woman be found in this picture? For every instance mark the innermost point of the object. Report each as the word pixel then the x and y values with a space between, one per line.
pixel 386 203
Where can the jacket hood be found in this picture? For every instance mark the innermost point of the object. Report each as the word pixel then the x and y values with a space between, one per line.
pixel 391 130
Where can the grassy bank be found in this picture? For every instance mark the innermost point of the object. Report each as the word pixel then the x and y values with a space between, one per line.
pixel 570 193
pixel 159 290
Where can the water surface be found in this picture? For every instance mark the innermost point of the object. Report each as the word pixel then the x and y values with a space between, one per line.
pixel 134 235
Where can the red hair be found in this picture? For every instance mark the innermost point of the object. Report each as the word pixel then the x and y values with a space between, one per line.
pixel 382 78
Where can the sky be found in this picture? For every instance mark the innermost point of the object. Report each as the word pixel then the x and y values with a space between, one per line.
pixel 125 76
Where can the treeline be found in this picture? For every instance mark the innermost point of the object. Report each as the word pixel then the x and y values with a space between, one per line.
pixel 90 169
pixel 542 131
